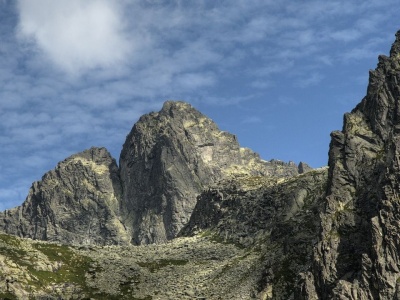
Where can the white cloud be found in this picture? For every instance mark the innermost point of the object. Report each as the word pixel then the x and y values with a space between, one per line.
pixel 261 84
pixel 76 35
pixel 192 81
pixel 223 101
pixel 284 100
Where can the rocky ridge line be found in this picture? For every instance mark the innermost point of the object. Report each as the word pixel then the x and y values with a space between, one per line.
pixel 168 158
pixel 325 234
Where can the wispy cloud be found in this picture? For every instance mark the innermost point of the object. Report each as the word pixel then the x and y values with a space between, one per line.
pixel 309 80
pixel 76 35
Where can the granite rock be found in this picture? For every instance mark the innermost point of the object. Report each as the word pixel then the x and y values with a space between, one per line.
pixel 168 158
pixel 356 256
pixel 76 203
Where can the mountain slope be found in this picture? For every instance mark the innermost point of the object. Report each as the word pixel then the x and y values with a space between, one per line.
pixel 263 236
pixel 357 253
pixel 168 158
pixel 76 203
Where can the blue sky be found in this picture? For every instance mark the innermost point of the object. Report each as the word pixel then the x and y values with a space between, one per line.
pixel 278 74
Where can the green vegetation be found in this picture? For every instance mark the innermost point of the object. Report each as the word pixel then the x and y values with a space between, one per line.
pixel 216 238
pixel 154 266
pixel 7 296
pixel 68 267
pixel 72 267
pixel 10 246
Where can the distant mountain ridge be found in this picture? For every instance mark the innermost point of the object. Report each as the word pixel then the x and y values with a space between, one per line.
pixel 167 160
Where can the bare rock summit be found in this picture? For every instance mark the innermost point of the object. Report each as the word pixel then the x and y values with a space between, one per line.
pixel 357 256
pixel 168 158
pixel 76 203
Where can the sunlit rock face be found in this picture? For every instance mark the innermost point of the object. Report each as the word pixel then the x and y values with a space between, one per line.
pixel 241 227
pixel 168 158
pixel 76 203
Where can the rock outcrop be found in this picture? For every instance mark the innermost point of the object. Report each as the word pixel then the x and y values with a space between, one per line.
pixel 278 217
pixel 76 203
pixel 357 256
pixel 168 158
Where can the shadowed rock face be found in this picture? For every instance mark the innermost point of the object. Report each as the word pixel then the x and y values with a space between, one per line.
pixel 357 253
pixel 76 203
pixel 169 158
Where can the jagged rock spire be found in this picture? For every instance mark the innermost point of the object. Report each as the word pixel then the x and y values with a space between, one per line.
pixel 357 253
pixel 169 157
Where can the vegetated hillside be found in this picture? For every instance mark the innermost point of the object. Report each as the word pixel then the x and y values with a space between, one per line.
pixel 232 227
pixel 234 257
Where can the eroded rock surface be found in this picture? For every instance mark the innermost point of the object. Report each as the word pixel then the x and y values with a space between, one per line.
pixel 257 231
pixel 357 253
pixel 76 203
pixel 279 217
pixel 185 268
pixel 169 158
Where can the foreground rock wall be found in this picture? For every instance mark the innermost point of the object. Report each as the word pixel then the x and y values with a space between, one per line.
pixel 278 217
pixel 357 253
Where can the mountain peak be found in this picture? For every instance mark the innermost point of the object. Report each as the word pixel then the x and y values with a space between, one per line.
pixel 176 105
pixel 395 50
pixel 169 158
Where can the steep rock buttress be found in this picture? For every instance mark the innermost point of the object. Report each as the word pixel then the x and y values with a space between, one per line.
pixel 357 253
pixel 76 203
pixel 168 158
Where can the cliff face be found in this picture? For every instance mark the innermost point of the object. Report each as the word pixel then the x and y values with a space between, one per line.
pixel 168 158
pixel 76 203
pixel 278 218
pixel 357 253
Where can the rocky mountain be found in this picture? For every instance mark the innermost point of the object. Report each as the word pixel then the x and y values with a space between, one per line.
pixel 76 203
pixel 211 219
pixel 357 255
pixel 167 160
pixel 252 233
